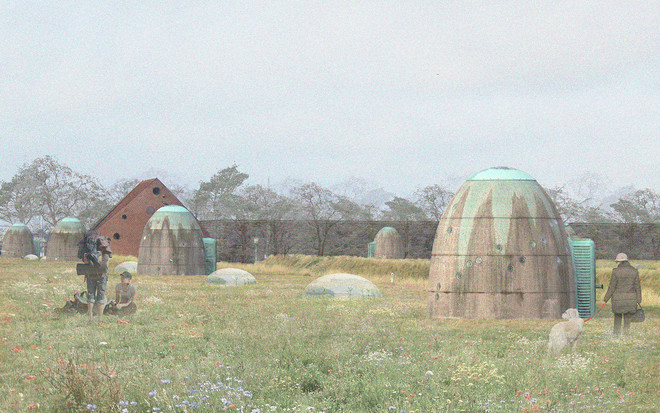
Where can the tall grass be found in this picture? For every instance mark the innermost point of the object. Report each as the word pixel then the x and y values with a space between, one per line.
pixel 265 348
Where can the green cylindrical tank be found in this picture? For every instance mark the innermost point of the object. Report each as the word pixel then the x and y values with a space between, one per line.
pixel 210 246
pixel 17 241
pixel 500 251
pixel 172 244
pixel 388 244
pixel 63 241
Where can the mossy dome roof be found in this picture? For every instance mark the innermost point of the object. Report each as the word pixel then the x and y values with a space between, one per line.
pixel 178 216
pixel 68 225
pixel 342 285
pixel 231 277
pixel 387 230
pixel 501 173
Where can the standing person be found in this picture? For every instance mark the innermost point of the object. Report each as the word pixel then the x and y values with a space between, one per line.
pixel 96 286
pixel 625 292
pixel 125 294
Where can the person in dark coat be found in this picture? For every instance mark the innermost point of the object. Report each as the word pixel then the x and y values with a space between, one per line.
pixel 625 292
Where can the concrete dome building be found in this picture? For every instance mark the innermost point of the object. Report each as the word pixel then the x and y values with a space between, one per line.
pixel 342 285
pixel 500 251
pixel 172 244
pixel 230 277
pixel 17 241
pixel 62 244
pixel 389 244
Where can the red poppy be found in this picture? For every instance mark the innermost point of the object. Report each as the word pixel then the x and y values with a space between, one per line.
pixel 32 406
pixel 30 377
pixel 33 346
pixel 17 349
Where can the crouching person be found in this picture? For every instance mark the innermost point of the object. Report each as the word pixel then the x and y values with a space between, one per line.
pixel 125 295
pixel 96 286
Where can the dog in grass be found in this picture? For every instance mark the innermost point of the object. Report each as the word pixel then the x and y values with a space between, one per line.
pixel 565 333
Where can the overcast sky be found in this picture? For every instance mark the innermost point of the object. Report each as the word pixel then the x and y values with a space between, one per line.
pixel 403 94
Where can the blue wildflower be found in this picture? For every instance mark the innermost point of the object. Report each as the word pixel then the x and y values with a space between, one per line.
pixel 123 403
pixel 133 403
pixel 91 407
pixel 166 381
pixel 152 393
pixel 156 409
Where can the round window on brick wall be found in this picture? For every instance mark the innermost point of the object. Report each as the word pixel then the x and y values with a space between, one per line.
pixel 150 210
pixel 156 190
pixel 116 235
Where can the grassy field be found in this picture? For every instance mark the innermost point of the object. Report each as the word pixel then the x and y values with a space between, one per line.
pixel 195 347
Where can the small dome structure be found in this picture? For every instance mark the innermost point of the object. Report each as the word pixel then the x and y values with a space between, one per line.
pixel 17 241
pixel 500 251
pixel 63 241
pixel 130 266
pixel 230 277
pixel 388 244
pixel 30 257
pixel 342 285
pixel 171 244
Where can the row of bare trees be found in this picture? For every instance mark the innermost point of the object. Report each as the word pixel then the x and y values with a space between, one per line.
pixel 44 191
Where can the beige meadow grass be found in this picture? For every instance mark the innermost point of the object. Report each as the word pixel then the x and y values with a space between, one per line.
pixel 198 347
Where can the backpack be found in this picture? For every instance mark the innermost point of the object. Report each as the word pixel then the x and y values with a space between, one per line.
pixel 88 247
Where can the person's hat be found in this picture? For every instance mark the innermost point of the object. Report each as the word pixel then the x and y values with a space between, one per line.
pixel 621 257
pixel 126 274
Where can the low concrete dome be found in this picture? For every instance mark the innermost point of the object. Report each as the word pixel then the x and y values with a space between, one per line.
pixel 231 277
pixel 130 266
pixel 63 241
pixel 342 285
pixel 17 241
pixel 30 257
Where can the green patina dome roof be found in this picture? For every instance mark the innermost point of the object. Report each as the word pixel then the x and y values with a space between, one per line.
pixel 178 216
pixel 501 173
pixel 387 230
pixel 69 225
pixel 18 226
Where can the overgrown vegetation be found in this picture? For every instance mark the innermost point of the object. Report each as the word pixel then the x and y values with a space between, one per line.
pixel 193 346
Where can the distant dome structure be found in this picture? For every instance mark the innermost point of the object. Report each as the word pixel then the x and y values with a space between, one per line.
pixel 130 266
pixel 171 244
pixel 500 251
pixel 230 277
pixel 63 242
pixel 342 285
pixel 388 244
pixel 17 241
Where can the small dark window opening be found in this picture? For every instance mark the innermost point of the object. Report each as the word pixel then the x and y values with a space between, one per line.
pixel 116 236
pixel 150 210
pixel 124 216
pixel 156 190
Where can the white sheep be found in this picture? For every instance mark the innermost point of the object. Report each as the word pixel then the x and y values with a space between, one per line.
pixel 566 332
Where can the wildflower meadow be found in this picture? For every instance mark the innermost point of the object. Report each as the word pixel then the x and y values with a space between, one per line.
pixel 265 348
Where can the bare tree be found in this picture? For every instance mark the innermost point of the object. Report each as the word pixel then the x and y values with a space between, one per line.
pixel 324 209
pixel 48 191
pixel 433 200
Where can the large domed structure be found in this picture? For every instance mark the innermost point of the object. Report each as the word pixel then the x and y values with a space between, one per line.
pixel 17 241
pixel 63 240
pixel 171 244
pixel 500 251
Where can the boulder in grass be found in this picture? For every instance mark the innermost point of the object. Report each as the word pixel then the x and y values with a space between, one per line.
pixel 30 257
pixel 342 285
pixel 230 277
pixel 130 266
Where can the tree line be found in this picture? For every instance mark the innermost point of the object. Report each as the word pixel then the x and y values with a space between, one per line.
pixel 44 191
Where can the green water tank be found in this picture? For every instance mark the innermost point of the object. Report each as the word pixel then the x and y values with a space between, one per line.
pixel 371 249
pixel 210 247
pixel 583 253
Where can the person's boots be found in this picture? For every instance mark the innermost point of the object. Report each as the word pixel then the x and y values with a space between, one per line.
pixel 90 309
